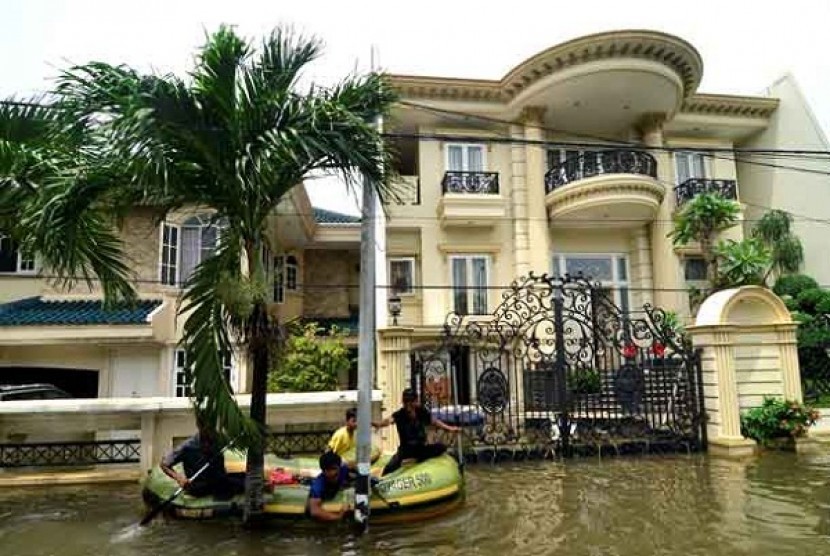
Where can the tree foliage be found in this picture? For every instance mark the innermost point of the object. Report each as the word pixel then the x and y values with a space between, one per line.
pixel 310 361
pixel 741 263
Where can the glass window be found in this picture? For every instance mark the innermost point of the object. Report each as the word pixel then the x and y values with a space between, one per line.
pixel 470 283
pixel 689 165
pixel 694 269
pixel 465 158
pixel 402 275
pixel 595 268
pixel 610 270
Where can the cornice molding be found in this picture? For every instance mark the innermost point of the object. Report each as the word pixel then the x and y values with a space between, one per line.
pixel 730 105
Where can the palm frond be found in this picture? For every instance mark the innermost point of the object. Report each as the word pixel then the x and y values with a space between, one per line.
pixel 208 328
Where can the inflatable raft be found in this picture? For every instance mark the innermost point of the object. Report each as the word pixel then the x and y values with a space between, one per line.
pixel 416 491
pixel 302 466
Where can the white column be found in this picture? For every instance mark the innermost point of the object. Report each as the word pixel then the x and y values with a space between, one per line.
pixel 537 221
pixel 521 240
pixel 644 266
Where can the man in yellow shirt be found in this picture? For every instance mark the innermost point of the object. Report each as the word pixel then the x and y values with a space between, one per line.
pixel 344 441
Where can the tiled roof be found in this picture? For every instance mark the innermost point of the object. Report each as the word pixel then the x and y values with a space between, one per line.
pixel 36 311
pixel 323 216
pixel 345 325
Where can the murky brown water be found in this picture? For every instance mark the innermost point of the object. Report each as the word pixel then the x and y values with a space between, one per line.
pixel 686 505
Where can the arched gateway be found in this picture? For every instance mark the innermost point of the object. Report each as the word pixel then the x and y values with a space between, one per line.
pixel 558 368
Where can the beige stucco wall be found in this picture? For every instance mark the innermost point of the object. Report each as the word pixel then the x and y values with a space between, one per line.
pixel 331 272
pixel 804 194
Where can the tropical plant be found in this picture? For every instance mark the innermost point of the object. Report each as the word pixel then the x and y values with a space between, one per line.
pixel 701 219
pixel 777 419
pixel 742 263
pixel 234 138
pixel 791 285
pixel 309 361
pixel 584 382
pixel 774 230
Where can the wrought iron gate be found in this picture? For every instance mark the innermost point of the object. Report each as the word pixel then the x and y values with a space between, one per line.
pixel 559 368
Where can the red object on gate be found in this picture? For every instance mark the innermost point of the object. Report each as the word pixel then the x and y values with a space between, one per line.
pixel 658 349
pixel 629 351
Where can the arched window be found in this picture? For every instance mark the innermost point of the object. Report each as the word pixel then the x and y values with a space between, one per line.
pixel 184 246
pixel 286 271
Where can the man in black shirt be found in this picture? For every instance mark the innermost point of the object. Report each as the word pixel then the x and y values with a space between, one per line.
pixel 196 451
pixel 411 421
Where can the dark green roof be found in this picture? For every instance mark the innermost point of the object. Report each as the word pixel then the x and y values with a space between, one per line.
pixel 35 311
pixel 323 216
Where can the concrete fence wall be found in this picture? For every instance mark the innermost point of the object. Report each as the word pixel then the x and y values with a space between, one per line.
pixel 158 422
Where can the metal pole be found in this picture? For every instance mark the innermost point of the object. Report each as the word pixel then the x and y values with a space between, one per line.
pixel 366 350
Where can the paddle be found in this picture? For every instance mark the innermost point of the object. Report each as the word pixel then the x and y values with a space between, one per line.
pixel 460 414
pixel 151 515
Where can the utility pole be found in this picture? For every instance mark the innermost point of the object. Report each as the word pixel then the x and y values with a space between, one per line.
pixel 366 347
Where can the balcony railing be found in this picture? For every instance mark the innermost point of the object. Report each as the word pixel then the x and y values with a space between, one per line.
pixel 597 163
pixel 471 182
pixel 687 190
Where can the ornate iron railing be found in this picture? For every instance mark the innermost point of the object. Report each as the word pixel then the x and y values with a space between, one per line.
pixel 471 182
pixel 287 444
pixel 687 190
pixel 588 164
pixel 62 454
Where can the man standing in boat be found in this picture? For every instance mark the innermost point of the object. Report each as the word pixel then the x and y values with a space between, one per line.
pixel 195 452
pixel 333 476
pixel 411 421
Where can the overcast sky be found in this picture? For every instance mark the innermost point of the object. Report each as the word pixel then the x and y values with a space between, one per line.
pixel 745 44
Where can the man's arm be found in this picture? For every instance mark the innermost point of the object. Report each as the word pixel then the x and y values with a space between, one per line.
pixel 436 422
pixel 382 423
pixel 167 464
pixel 315 507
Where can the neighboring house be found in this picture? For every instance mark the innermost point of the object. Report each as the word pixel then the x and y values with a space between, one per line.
pixel 66 338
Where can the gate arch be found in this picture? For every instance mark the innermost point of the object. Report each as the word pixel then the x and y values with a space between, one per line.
pixel 559 368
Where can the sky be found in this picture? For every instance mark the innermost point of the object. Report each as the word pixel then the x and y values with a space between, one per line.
pixel 745 44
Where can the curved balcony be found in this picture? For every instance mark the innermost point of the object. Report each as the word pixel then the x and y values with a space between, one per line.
pixel 611 188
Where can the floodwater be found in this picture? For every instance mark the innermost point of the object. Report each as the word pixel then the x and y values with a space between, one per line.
pixel 778 504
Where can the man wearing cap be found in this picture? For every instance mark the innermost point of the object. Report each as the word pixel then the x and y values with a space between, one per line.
pixel 411 421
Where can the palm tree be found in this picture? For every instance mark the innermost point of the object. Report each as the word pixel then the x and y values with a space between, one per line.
pixel 774 230
pixel 701 220
pixel 235 137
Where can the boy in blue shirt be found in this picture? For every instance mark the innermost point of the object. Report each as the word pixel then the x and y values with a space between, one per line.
pixel 333 476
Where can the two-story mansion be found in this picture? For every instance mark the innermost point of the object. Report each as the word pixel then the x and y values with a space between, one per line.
pixel 576 160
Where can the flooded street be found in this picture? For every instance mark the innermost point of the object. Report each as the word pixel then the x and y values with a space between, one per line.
pixel 689 505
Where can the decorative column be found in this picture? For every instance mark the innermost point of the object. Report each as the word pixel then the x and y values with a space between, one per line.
pixel 790 369
pixel 666 274
pixel 537 221
pixel 644 267
pixel 518 191
pixel 394 345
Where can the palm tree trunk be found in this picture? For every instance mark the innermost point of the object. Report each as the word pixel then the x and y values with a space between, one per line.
pixel 258 336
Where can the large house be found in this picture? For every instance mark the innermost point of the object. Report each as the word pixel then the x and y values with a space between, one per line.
pixel 575 161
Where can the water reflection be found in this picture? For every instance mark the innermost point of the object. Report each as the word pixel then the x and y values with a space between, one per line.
pixel 690 505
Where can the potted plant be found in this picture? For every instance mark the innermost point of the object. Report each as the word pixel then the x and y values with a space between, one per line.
pixel 777 423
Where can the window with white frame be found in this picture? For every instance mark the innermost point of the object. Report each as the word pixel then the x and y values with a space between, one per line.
pixel 181 387
pixel 12 259
pixel 402 275
pixel 469 283
pixel 689 164
pixel 610 270
pixel 286 271
pixel 185 246
pixel 465 157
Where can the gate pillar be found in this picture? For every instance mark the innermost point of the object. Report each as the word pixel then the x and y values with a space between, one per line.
pixel 394 345
pixel 748 340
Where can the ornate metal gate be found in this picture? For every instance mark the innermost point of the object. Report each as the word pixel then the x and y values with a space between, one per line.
pixel 558 368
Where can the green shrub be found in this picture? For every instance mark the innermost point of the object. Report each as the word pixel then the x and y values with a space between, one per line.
pixel 810 300
pixel 585 381
pixel 793 284
pixel 777 419
pixel 309 362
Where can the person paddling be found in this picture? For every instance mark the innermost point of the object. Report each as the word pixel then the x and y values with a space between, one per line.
pixel 411 421
pixel 195 452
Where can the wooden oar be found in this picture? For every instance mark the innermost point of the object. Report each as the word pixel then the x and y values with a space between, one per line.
pixel 151 515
